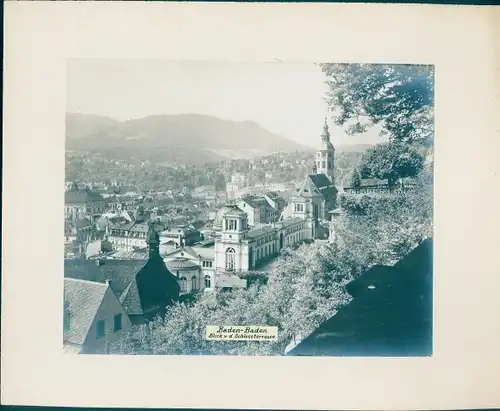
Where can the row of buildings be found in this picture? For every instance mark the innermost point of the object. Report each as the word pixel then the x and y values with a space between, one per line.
pixel 138 266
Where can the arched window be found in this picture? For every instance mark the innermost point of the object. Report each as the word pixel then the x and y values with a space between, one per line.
pixel 208 282
pixel 183 284
pixel 194 283
pixel 230 259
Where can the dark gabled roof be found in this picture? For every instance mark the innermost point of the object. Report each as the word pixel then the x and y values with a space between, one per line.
pixel 390 315
pixel 81 197
pixel 255 201
pixel 317 184
pixel 324 186
pixel 120 273
pixel 125 226
pixel 83 299
pixel 272 195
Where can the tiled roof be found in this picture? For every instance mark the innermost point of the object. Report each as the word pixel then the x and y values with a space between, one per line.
pixel 323 185
pixel 81 197
pixel 84 299
pixel 273 195
pixel 130 299
pixel 129 255
pixel 287 222
pixel 120 273
pixel 254 201
pixel 117 226
pixel 140 228
pixel 207 253
pixel 390 315
pixel 178 230
pixel 182 263
pixel 259 232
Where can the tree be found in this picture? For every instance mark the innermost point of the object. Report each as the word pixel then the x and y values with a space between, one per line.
pixel 306 289
pixel 398 98
pixel 392 161
pixel 382 229
pixel 356 179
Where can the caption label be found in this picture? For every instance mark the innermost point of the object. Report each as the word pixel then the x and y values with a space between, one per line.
pixel 241 333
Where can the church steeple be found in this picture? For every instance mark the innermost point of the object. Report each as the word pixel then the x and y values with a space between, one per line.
pixel 325 136
pixel 153 241
pixel 325 155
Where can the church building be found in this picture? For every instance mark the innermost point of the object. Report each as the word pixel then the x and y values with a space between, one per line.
pixel 317 195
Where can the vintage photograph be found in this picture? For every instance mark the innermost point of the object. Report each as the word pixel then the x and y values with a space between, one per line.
pixel 272 209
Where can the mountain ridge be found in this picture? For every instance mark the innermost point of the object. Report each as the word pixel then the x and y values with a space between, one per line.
pixel 206 138
pixel 187 138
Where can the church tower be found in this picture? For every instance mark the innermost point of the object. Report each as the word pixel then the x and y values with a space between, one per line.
pixel 325 155
pixel 231 249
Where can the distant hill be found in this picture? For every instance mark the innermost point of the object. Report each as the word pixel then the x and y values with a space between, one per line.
pixel 185 138
pixel 83 125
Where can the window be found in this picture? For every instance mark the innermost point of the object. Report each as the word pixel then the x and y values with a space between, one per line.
pixel 299 207
pixel 100 329
pixel 323 164
pixel 194 283
pixel 208 281
pixel 230 259
pixel 231 225
pixel 117 322
pixel 183 284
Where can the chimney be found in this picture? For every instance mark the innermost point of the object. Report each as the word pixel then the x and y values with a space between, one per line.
pixel 98 262
pixel 108 282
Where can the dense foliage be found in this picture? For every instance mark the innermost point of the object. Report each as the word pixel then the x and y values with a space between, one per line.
pixel 147 176
pixel 307 285
pixel 398 98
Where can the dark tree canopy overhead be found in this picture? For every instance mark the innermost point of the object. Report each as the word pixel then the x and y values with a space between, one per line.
pixel 398 98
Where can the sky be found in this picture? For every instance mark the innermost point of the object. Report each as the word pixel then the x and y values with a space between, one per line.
pixel 285 98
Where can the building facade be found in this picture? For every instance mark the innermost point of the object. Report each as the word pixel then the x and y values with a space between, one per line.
pixel 93 317
pixel 80 204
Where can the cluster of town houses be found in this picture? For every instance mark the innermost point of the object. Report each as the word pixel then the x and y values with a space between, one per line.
pixel 130 264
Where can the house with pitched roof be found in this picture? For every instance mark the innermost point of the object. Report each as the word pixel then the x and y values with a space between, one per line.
pixel 94 319
pixel 79 204
pixel 144 288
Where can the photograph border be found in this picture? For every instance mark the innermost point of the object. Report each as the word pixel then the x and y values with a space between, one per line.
pixel 459 41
